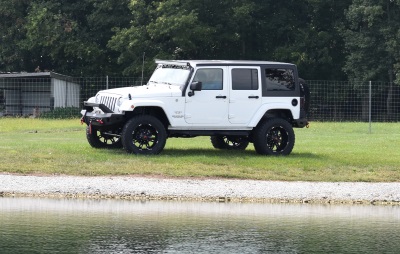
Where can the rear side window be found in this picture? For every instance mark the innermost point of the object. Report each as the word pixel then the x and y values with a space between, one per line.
pixel 280 79
pixel 245 79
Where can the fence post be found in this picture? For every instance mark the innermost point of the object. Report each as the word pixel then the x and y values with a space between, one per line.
pixel 370 106
pixel 107 82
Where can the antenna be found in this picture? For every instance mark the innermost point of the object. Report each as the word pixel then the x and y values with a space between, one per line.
pixel 144 53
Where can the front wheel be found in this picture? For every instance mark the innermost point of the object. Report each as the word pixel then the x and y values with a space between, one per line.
pixel 144 135
pixel 230 142
pixel 274 136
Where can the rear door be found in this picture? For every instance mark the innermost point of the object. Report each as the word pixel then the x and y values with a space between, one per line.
pixel 245 93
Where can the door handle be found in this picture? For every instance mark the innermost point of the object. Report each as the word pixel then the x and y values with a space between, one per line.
pixel 253 97
pixel 220 97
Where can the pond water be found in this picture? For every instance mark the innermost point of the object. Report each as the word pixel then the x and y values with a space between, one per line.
pixel 29 225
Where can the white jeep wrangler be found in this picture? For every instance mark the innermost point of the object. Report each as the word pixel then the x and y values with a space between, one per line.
pixel 234 102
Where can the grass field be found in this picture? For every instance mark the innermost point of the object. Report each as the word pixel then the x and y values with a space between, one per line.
pixel 324 152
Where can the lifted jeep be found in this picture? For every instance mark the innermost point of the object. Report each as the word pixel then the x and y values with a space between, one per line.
pixel 233 102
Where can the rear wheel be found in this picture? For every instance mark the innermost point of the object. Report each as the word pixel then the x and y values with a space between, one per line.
pixel 274 136
pixel 230 142
pixel 144 134
pixel 102 139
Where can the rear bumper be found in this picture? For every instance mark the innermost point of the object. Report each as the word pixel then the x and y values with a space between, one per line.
pixel 108 118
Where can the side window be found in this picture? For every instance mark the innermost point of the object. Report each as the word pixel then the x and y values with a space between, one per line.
pixel 280 79
pixel 244 79
pixel 211 78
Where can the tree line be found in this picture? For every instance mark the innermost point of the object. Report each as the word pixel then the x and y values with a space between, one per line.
pixel 327 39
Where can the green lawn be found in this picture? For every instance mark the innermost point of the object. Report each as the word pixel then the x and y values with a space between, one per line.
pixel 324 152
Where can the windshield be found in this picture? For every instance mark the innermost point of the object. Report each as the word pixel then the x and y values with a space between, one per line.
pixel 170 75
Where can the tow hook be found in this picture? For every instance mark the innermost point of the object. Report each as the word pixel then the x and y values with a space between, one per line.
pixel 90 127
pixel 100 121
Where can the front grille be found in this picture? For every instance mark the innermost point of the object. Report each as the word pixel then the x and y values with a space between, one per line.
pixel 109 101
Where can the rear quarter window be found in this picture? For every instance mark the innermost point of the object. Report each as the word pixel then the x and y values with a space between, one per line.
pixel 280 79
pixel 279 82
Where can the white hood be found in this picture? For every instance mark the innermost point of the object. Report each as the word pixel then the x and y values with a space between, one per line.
pixel 146 91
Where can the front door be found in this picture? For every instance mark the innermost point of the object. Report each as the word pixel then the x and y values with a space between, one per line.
pixel 208 107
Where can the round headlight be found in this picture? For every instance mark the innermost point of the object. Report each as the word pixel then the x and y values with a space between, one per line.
pixel 97 98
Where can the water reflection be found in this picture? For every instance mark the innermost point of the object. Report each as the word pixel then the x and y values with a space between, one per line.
pixel 112 226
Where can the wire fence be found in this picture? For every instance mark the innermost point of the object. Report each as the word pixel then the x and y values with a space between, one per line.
pixel 330 100
pixel 354 101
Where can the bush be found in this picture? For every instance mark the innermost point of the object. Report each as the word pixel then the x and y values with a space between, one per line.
pixel 62 113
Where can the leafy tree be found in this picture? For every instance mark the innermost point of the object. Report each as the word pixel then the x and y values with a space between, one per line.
pixel 175 29
pixel 362 38
pixel 372 36
pixel 304 32
pixel 313 40
pixel 372 40
pixel 102 37
pixel 104 17
pixel 70 38
pixel 12 22
pixel 159 30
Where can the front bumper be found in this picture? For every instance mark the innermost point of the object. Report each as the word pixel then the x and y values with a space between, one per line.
pixel 108 118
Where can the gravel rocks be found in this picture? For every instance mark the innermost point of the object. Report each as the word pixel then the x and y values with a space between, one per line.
pixel 221 190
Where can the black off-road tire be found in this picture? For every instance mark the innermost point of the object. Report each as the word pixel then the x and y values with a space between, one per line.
pixel 229 142
pixel 144 134
pixel 99 139
pixel 274 136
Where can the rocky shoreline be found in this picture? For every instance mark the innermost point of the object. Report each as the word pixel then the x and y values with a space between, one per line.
pixel 215 190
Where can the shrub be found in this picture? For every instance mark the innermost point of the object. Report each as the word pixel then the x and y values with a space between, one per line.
pixel 62 113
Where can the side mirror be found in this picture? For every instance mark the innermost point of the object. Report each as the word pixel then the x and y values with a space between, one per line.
pixel 195 86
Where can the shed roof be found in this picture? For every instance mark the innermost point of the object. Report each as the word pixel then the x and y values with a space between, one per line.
pixel 35 75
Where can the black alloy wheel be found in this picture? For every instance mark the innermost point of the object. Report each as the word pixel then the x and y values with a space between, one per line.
pixel 144 135
pixel 102 139
pixel 230 142
pixel 274 136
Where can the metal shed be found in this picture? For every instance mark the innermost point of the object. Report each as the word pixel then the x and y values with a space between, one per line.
pixel 32 93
